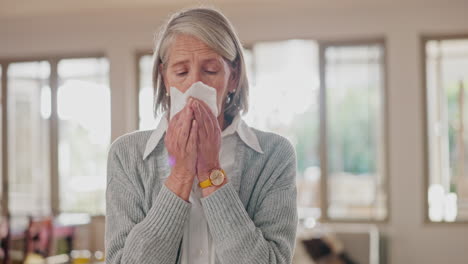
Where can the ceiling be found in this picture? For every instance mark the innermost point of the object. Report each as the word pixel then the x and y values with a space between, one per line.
pixel 21 8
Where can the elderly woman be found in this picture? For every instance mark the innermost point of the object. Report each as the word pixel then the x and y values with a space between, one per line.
pixel 201 188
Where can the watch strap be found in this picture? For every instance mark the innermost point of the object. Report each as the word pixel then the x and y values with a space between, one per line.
pixel 205 183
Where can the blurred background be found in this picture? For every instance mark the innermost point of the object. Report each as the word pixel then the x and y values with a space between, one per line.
pixel 372 94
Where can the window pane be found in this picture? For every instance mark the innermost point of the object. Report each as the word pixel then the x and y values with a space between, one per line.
pixel 284 99
pixel 28 142
pixel 83 104
pixel 447 84
pixel 354 85
pixel 147 120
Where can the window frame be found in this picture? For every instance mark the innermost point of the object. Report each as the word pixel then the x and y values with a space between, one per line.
pixel 4 179
pixel 424 39
pixel 53 60
pixel 323 149
pixel 138 55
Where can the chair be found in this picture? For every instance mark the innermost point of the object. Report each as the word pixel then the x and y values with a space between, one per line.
pixel 4 239
pixel 359 243
pixel 38 236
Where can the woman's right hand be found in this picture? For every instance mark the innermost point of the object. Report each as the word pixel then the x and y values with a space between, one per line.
pixel 181 143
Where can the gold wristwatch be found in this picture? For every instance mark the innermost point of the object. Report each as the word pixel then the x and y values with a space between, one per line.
pixel 216 178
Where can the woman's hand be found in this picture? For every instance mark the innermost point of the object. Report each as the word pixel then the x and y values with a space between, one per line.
pixel 209 140
pixel 181 143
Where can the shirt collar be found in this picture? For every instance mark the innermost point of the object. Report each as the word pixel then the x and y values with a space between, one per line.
pixel 238 125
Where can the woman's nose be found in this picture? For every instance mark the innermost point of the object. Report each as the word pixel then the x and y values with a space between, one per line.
pixel 194 76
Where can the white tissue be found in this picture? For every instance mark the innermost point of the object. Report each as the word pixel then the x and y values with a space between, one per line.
pixel 198 90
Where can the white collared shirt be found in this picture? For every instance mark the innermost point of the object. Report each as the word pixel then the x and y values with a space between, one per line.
pixel 197 246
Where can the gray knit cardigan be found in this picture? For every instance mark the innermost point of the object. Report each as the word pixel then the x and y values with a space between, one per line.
pixel 252 218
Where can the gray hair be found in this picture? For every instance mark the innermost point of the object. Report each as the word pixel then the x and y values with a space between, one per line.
pixel 213 28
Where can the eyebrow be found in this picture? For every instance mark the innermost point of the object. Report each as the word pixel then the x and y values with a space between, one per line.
pixel 209 60
pixel 178 63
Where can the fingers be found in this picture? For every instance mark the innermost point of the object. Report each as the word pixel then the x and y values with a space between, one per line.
pixel 209 116
pixel 182 142
pixel 193 137
pixel 199 116
pixel 179 128
pixel 186 122
pixel 172 131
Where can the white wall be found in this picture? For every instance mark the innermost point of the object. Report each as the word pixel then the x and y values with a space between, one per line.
pixel 120 33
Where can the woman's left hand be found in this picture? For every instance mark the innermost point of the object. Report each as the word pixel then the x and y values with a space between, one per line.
pixel 209 140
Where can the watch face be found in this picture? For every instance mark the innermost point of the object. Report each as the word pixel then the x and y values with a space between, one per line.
pixel 217 177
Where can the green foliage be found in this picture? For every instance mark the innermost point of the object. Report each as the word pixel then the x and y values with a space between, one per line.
pixel 452 92
pixel 352 133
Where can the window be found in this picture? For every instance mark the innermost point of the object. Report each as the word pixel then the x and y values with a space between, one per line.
pixel 146 93
pixel 28 137
pixel 56 152
pixel 288 72
pixel 83 104
pixel 446 81
pixel 354 90
pixel 286 98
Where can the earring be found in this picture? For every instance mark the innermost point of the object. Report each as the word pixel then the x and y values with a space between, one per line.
pixel 228 99
pixel 167 94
